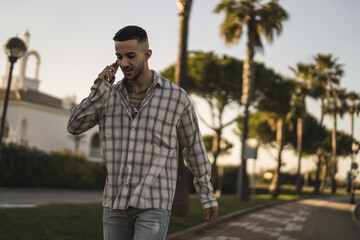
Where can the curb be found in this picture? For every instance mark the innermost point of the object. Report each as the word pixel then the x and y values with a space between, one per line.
pixel 220 220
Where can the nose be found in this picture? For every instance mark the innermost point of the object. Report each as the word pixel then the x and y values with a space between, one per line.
pixel 124 62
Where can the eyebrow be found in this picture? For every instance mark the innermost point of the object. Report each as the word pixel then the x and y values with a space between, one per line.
pixel 129 53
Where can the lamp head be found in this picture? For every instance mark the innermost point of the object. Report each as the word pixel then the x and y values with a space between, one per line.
pixel 14 48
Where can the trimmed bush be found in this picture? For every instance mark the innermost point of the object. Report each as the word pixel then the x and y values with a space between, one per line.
pixel 21 166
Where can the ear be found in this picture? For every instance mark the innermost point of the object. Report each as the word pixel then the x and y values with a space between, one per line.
pixel 148 54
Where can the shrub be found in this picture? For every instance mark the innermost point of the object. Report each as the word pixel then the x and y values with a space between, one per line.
pixel 21 166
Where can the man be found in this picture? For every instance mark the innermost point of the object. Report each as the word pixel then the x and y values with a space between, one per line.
pixel 141 119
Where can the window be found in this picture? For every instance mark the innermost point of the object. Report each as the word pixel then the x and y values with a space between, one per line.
pixel 95 148
pixel 24 130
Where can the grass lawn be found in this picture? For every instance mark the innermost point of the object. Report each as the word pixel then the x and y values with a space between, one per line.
pixel 84 221
pixel 55 222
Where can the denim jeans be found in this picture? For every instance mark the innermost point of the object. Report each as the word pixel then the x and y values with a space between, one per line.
pixel 135 224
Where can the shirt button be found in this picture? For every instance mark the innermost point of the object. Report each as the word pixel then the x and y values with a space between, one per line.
pixel 132 129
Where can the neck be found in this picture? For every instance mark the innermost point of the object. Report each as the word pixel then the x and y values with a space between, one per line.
pixel 142 82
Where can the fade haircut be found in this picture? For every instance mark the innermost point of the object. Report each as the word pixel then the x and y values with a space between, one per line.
pixel 131 33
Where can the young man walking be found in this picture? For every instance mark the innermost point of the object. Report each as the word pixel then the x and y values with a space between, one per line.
pixel 142 119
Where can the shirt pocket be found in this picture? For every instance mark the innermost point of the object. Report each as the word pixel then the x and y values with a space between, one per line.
pixel 165 133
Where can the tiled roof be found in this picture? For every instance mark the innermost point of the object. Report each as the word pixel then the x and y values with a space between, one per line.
pixel 28 95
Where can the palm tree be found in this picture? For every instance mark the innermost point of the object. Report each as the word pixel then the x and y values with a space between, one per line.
pixel 279 124
pixel 303 75
pixel 184 7
pixel 181 198
pixel 275 105
pixel 326 74
pixel 335 104
pixel 261 19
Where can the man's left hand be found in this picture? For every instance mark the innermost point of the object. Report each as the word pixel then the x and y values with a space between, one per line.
pixel 211 213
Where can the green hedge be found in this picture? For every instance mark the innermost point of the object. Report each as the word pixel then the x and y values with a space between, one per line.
pixel 21 166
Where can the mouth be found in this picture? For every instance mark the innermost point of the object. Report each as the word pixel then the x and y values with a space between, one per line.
pixel 127 71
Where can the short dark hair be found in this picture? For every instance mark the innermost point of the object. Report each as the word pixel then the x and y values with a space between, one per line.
pixel 130 33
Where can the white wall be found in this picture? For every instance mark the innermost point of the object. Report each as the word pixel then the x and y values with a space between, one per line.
pixel 46 127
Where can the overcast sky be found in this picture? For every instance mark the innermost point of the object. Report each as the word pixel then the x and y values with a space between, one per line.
pixel 74 38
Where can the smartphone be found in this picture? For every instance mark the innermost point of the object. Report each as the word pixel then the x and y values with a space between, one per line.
pixel 116 65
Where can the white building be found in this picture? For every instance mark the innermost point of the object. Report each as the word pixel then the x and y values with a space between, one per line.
pixel 37 119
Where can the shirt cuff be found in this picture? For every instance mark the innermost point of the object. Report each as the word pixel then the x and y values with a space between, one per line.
pixel 208 201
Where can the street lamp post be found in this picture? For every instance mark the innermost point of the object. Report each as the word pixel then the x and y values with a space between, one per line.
pixel 14 49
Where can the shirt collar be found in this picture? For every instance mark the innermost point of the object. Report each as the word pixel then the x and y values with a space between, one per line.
pixel 156 76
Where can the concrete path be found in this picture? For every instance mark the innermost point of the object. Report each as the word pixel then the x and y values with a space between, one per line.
pixel 15 197
pixel 328 219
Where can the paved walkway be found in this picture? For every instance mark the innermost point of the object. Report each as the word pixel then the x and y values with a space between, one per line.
pixel 328 219
pixel 15 197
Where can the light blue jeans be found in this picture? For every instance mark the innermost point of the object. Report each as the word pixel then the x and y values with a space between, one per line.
pixel 135 224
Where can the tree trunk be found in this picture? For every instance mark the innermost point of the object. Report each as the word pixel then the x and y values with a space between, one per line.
pixel 77 144
pixel 220 176
pixel 324 176
pixel 242 186
pixel 248 78
pixel 299 149
pixel 181 202
pixel 322 106
pixel 334 160
pixel 215 152
pixel 317 176
pixel 181 63
pixel 280 126
pixel 182 194
pixel 318 182
pixel 348 188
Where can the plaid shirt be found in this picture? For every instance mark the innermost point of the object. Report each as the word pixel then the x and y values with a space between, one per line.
pixel 141 153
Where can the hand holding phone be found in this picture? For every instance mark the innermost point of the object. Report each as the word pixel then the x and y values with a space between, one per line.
pixel 115 65
pixel 108 74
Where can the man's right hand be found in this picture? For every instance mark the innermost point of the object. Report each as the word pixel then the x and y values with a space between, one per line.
pixel 108 74
pixel 211 213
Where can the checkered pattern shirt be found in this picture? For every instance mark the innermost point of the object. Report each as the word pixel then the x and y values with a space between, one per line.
pixel 141 153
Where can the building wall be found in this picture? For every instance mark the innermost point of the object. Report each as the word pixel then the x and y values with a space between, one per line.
pixel 37 125
pixel 45 128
